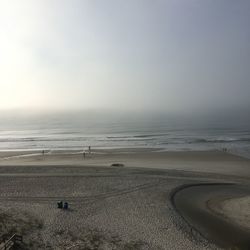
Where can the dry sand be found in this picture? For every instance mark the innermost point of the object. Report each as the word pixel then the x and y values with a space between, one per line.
pixel 236 210
pixel 110 207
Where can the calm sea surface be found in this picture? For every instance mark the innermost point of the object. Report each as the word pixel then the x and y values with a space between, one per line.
pixel 76 131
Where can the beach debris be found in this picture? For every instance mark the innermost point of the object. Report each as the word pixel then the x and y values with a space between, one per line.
pixel 117 165
pixel 16 223
pixel 12 243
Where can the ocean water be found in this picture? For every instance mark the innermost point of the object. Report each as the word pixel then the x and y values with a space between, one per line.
pixel 78 131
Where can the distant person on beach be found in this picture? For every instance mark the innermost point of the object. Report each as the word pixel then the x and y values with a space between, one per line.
pixel 89 149
pixel 66 205
pixel 83 154
pixel 43 152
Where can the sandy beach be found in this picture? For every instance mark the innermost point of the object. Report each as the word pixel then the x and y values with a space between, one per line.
pixel 227 208
pixel 197 161
pixel 124 207
pixel 202 206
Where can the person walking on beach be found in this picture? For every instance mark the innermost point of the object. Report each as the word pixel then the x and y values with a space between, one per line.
pixel 83 154
pixel 89 149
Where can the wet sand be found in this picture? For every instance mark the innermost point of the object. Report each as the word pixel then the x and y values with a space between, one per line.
pixel 110 207
pixel 236 209
pixel 197 161
pixel 199 206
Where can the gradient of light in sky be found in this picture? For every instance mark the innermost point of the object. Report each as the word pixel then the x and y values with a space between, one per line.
pixel 170 55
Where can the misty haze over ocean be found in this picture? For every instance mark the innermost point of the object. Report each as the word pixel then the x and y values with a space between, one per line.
pixel 165 67
pixel 76 130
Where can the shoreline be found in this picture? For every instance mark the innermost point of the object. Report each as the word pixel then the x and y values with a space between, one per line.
pixel 108 150
pixel 118 150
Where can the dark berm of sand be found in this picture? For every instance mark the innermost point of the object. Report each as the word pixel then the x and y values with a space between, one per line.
pixel 191 202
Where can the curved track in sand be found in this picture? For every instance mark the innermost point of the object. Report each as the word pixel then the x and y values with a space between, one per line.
pixel 190 201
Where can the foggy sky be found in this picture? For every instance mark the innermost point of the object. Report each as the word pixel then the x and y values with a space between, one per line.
pixel 172 56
